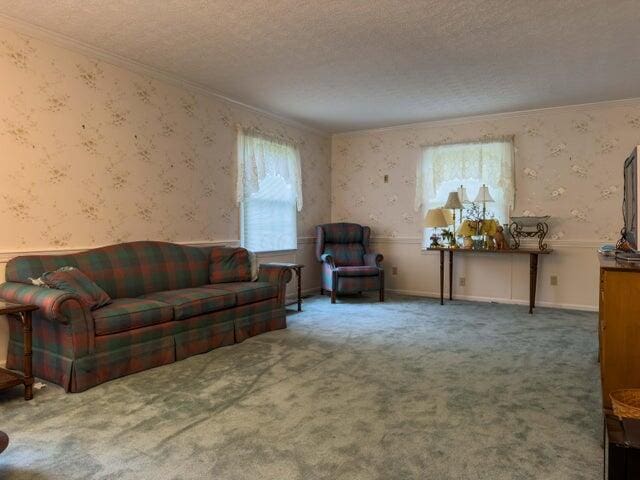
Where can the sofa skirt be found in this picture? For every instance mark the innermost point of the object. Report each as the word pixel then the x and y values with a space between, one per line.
pixel 118 355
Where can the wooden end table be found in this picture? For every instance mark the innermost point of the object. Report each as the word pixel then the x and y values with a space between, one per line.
pixel 296 267
pixel 9 378
pixel 533 267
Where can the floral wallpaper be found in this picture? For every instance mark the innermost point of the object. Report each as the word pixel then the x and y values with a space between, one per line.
pixel 94 154
pixel 569 164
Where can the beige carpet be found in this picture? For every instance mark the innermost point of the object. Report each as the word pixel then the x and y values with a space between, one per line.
pixel 359 390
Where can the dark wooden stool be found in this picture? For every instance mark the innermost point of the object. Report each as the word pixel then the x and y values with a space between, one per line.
pixel 622 448
pixel 4 441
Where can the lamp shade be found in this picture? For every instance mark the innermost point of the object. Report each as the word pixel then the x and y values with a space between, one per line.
pixel 435 218
pixel 462 195
pixel 483 195
pixel 453 201
pixel 448 216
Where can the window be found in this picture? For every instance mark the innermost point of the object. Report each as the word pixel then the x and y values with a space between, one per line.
pixel 269 191
pixel 443 168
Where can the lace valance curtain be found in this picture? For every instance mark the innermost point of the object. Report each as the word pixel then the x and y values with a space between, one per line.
pixel 489 162
pixel 261 156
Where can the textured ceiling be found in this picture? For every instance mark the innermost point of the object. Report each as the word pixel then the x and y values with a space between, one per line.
pixel 346 65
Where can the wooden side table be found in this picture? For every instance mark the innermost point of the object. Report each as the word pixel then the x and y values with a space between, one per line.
pixel 296 267
pixel 9 378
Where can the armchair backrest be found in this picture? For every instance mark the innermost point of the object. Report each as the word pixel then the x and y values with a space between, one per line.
pixel 345 242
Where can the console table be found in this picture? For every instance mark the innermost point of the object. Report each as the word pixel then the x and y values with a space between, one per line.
pixel 533 267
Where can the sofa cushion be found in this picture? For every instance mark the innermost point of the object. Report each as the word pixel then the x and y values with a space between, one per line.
pixel 229 264
pixel 125 270
pixel 70 279
pixel 358 271
pixel 248 292
pixel 189 302
pixel 124 314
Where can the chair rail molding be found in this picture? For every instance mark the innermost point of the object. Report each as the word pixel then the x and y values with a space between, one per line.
pixel 560 243
pixel 7 255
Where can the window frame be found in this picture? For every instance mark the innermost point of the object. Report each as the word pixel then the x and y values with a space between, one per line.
pixel 262 252
pixel 294 204
pixel 507 195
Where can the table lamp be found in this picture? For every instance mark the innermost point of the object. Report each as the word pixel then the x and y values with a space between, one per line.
pixel 485 197
pixel 462 193
pixel 464 199
pixel 453 204
pixel 435 218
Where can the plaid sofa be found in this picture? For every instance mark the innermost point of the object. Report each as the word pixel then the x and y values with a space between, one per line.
pixel 165 308
pixel 348 265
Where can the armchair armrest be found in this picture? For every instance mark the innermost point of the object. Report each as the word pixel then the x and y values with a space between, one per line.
pixel 373 259
pixel 277 274
pixel 327 258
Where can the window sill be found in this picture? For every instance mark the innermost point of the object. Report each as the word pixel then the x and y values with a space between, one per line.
pixel 275 253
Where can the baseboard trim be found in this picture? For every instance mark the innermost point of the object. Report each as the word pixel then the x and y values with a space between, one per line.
pixel 307 292
pixel 508 301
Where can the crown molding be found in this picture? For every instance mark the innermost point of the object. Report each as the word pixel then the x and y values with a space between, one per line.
pixel 447 122
pixel 64 41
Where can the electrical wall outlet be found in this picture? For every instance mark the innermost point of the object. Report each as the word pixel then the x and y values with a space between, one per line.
pixel 553 280
pixel 394 270
pixel 462 281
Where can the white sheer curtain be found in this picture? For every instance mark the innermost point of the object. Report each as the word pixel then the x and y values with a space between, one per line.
pixel 269 190
pixel 260 157
pixel 443 168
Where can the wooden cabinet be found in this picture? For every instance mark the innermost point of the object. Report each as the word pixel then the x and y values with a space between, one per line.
pixel 619 329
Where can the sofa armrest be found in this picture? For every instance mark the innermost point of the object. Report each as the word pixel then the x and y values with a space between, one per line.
pixel 277 274
pixel 328 259
pixel 373 259
pixel 63 309
pixel 49 300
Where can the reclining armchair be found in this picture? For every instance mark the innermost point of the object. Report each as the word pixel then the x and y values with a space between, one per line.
pixel 348 265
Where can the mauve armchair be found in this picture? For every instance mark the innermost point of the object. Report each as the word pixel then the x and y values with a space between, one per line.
pixel 348 265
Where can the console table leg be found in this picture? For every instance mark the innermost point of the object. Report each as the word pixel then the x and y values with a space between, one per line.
pixel 28 371
pixel 533 280
pixel 441 277
pixel 450 274
pixel 299 274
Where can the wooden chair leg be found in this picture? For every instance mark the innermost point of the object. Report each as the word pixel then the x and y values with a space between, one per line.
pixel 334 286
pixel 382 286
pixel 321 291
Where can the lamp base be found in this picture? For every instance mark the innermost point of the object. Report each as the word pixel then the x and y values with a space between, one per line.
pixel 434 241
